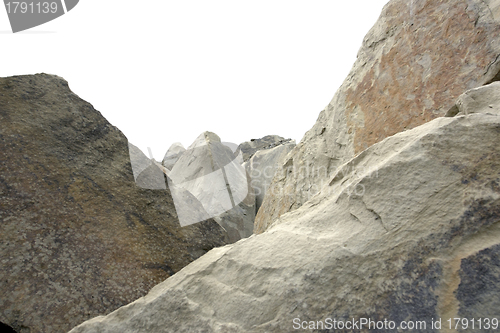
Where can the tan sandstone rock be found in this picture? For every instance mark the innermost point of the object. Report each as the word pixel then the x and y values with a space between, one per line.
pixel 484 99
pixel 412 66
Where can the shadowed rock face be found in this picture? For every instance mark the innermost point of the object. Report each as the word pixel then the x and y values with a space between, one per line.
pixel 78 237
pixel 413 64
pixel 408 230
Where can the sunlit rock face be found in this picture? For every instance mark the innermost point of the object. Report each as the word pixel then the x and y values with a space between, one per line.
pixel 412 66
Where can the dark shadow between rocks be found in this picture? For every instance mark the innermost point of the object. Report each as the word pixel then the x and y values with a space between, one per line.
pixel 4 328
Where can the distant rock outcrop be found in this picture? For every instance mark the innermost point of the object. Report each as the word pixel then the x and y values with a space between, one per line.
pixel 412 66
pixel 249 148
pixel 407 231
pixel 78 236
pixel 213 174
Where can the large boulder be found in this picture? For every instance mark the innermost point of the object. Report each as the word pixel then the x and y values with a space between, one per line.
pixel 80 234
pixel 212 173
pixel 413 64
pixel 262 166
pixel 407 231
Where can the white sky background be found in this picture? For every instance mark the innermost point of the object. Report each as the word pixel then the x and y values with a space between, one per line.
pixel 165 71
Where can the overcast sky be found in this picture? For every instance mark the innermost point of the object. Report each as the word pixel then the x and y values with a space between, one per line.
pixel 164 71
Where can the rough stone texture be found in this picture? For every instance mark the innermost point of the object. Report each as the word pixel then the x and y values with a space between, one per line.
pixel 249 148
pixel 211 172
pixel 78 237
pixel 407 230
pixel 262 166
pixel 173 154
pixel 494 6
pixel 413 64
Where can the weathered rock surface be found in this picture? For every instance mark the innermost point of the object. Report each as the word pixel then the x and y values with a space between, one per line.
pixel 173 154
pixel 213 174
pixel 412 66
pixel 78 237
pixel 484 99
pixel 262 166
pixel 408 230
pixel 249 148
